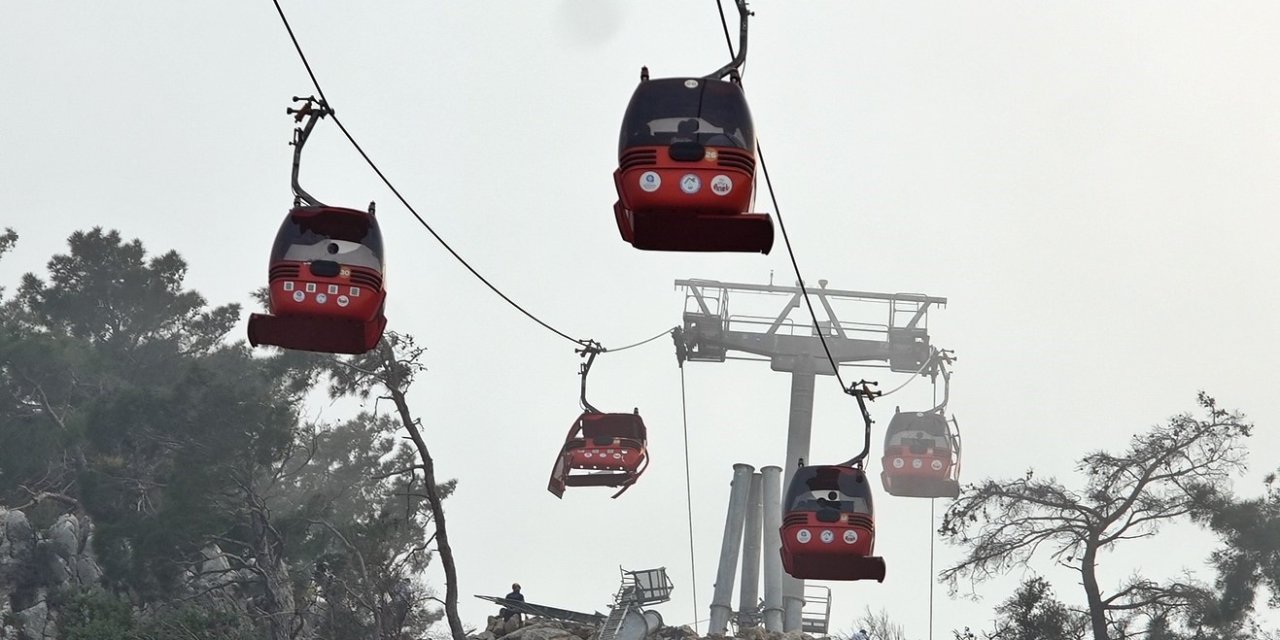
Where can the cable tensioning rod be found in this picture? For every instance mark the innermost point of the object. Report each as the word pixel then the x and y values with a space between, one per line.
pixel 665 332
pixel 688 498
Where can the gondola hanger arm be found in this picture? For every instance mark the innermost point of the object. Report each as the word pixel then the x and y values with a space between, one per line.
pixel 942 358
pixel 862 391
pixel 312 110
pixel 590 349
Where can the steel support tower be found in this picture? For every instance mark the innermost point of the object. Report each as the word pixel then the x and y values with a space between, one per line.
pixel 881 329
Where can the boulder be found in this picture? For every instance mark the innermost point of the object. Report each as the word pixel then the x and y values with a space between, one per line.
pixel 64 536
pixel 540 632
pixel 35 623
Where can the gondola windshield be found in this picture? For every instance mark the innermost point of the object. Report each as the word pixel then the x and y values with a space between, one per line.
pixel 930 423
pixel 815 488
pixel 713 113
pixel 347 237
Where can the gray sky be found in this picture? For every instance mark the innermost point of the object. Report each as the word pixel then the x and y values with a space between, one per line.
pixel 1092 184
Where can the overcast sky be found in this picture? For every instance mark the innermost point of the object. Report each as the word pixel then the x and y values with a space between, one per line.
pixel 1091 184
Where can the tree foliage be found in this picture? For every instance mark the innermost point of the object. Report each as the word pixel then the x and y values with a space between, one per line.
pixel 1033 613
pixel 127 402
pixel 1247 562
pixel 1003 524
pixel 877 625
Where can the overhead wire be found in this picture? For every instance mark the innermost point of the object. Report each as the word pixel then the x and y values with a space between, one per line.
pixel 728 40
pixel 764 167
pixel 386 181
pixel 817 328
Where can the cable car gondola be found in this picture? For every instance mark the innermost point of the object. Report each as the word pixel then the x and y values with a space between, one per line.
pixel 921 456
pixel 686 165
pixel 326 289
pixel 828 531
pixel 922 449
pixel 601 449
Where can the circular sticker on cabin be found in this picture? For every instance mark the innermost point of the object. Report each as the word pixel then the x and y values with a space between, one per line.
pixel 917 463
pixel 828 536
pixel 897 463
pixel 690 184
pixel 850 536
pixel 321 298
pixel 803 536
pixel 650 181
pixel 299 296
pixel 343 301
pixel 936 464
pixel 721 185
pixel 691 83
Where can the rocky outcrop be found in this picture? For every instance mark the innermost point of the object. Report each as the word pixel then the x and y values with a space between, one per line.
pixel 35 563
pixel 534 629
pixel 542 629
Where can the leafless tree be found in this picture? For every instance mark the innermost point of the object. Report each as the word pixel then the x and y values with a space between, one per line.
pixel 1004 524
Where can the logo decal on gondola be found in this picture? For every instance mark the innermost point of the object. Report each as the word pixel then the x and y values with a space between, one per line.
pixel 936 464
pixel 692 84
pixel 850 536
pixel 803 536
pixel 690 184
pixel 321 298
pixel 828 536
pixel 721 185
pixel 650 181
pixel 897 463
pixel 343 301
pixel 299 296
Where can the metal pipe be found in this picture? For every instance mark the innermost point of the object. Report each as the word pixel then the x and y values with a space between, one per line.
pixel 771 496
pixel 799 429
pixel 749 595
pixel 721 608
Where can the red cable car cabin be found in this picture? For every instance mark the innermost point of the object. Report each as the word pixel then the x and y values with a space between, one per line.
pixel 608 449
pixel 686 164
pixel 326 288
pixel 921 456
pixel 828 532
